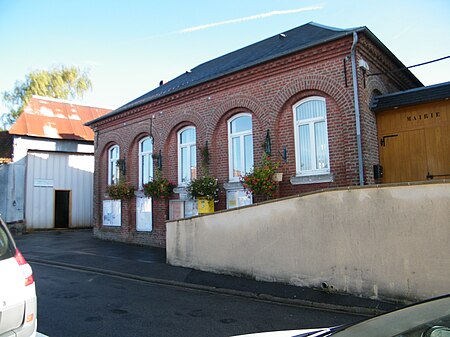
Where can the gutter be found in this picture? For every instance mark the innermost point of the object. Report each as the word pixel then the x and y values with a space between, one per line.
pixel 357 112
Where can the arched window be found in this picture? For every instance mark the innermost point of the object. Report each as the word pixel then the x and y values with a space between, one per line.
pixel 311 136
pixel 240 145
pixel 113 169
pixel 187 155
pixel 145 161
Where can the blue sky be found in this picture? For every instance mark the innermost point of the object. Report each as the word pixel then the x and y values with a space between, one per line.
pixel 129 46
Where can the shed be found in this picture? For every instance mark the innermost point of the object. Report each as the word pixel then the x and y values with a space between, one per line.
pixel 49 180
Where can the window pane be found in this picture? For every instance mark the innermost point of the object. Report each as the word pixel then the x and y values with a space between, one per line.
pixel 114 173
pixel 240 124
pixel 111 173
pixel 187 136
pixel 146 168
pixel 248 143
pixel 187 155
pixel 236 153
pixel 114 153
pixel 311 109
pixel 184 165
pixel 146 146
pixel 193 163
pixel 305 148
pixel 320 132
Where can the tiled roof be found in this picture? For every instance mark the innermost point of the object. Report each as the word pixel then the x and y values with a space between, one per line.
pixel 411 97
pixel 58 119
pixel 294 40
pixel 6 147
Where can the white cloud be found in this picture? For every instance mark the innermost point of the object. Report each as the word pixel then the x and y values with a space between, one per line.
pixel 249 18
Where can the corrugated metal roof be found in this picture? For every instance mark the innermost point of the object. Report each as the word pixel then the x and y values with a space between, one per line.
pixel 55 118
pixel 411 97
pixel 294 40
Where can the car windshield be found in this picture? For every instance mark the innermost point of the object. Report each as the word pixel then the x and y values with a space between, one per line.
pixel 426 319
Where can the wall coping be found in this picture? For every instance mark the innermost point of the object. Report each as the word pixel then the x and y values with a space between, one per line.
pixel 331 189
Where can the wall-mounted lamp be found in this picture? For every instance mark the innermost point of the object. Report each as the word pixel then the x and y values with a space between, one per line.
pixel 268 143
pixel 159 161
pixel 158 158
pixel 284 154
pixel 364 68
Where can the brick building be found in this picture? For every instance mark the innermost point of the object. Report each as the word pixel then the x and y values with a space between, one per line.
pixel 297 87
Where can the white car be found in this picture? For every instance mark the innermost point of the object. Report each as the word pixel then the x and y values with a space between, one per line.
pixel 425 319
pixel 18 301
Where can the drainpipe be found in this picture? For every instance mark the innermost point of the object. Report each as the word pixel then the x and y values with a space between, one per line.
pixel 357 115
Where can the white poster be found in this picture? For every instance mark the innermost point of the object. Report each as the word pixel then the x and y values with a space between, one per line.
pixel 112 213
pixel 144 221
pixel 190 208
pixel 238 198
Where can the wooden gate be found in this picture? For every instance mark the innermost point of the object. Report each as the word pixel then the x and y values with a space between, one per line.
pixel 414 142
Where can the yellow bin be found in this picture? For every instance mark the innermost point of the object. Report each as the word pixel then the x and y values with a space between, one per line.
pixel 205 205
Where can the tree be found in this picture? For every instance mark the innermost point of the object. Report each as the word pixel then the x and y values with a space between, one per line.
pixel 58 82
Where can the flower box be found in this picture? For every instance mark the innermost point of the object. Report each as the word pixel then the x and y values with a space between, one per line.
pixel 205 205
pixel 277 177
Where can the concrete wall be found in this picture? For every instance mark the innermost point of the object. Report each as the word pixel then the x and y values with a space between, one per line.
pixel 388 242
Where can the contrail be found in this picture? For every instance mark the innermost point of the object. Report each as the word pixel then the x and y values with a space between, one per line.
pixel 249 18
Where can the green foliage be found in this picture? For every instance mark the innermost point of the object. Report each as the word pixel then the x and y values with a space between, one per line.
pixel 159 187
pixel 260 180
pixel 122 190
pixel 204 187
pixel 58 82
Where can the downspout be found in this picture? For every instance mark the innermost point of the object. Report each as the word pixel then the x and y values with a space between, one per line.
pixel 357 114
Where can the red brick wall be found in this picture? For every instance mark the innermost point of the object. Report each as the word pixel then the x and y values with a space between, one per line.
pixel 268 92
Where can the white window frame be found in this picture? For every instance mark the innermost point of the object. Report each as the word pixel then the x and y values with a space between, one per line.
pixel 189 146
pixel 241 136
pixel 311 122
pixel 142 155
pixel 112 165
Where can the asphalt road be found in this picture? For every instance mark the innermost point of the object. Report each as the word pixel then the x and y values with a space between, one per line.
pixel 75 302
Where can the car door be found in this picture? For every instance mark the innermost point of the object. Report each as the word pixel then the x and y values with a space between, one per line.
pixel 12 287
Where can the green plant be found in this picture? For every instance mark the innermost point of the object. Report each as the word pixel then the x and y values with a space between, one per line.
pixel 204 187
pixel 159 187
pixel 122 190
pixel 260 180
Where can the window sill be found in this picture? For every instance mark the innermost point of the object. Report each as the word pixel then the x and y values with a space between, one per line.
pixel 139 193
pixel 233 185
pixel 182 192
pixel 312 179
pixel 180 189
